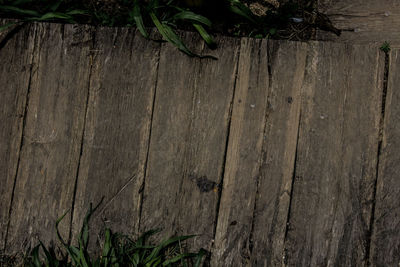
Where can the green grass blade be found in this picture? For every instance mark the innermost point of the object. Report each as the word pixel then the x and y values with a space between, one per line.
pixel 76 12
pixel 142 239
pixel 55 15
pixel 35 257
pixel 107 243
pixel 73 252
pixel 189 15
pixel 51 261
pixel 170 35
pixel 204 34
pixel 137 16
pixel 82 255
pixel 199 257
pixel 242 10
pixel 58 232
pixel 178 258
pixel 166 243
pixel 154 262
pixel 2 28
pixel 19 11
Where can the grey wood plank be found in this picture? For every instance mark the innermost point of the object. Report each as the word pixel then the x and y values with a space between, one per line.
pixel 188 140
pixel 336 157
pixel 52 135
pixel 385 245
pixel 117 130
pixel 260 158
pixel 15 61
pixel 363 21
pixel 243 154
pixel 288 68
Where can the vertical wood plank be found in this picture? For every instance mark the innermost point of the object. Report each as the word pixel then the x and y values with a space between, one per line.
pixel 243 154
pixel 117 130
pixel 288 61
pixel 187 148
pixel 385 245
pixel 15 62
pixel 52 135
pixel 336 157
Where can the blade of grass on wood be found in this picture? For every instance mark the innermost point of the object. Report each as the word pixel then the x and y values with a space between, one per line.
pixel 189 15
pixel 170 35
pixel 19 10
pixel 204 34
pixel 137 16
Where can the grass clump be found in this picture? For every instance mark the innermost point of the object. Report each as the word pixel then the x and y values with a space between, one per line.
pixel 117 250
pixel 203 16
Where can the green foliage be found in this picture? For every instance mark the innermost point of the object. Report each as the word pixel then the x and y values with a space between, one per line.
pixel 31 10
pixel 165 15
pixel 117 250
pixel 385 47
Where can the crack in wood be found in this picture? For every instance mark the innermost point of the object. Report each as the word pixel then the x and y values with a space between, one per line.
pixel 23 128
pixel 378 157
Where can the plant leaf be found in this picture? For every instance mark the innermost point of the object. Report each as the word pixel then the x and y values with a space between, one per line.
pixel 199 257
pixel 242 10
pixel 3 27
pixel 137 16
pixel 19 10
pixel 204 34
pixel 189 15
pixel 58 232
pixel 170 35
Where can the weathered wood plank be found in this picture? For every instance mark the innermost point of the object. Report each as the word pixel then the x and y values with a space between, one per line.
pixel 264 117
pixel 15 61
pixel 52 135
pixel 288 61
pixel 336 157
pixel 188 140
pixel 385 245
pixel 363 21
pixel 115 146
pixel 243 154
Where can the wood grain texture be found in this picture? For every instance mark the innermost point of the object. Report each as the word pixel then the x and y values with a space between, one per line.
pixel 258 170
pixel 243 154
pixel 117 131
pixel 336 159
pixel 385 245
pixel 363 21
pixel 15 61
pixel 288 62
pixel 188 140
pixel 52 135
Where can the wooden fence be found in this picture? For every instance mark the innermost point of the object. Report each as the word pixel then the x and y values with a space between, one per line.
pixel 278 153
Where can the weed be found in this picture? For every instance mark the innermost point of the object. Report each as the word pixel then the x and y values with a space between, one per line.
pixel 117 250
pixel 165 15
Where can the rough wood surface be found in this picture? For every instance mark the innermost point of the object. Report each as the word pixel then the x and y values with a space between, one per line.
pixel 52 135
pixel 288 67
pixel 188 140
pixel 259 168
pixel 16 52
pixel 271 150
pixel 362 21
pixel 385 245
pixel 243 154
pixel 329 220
pixel 122 84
